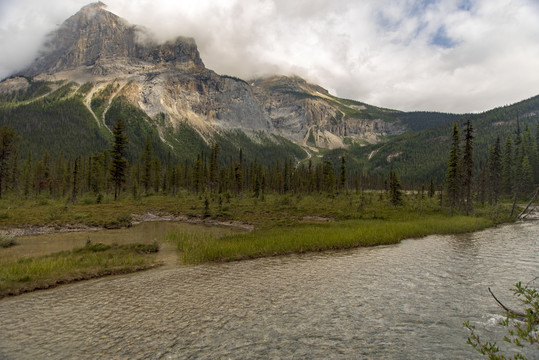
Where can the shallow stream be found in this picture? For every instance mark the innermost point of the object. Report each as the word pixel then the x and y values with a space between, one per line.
pixel 405 301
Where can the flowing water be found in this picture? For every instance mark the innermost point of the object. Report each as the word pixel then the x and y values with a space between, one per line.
pixel 406 301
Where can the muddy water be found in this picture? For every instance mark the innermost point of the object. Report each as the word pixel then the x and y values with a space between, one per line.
pixel 146 232
pixel 406 301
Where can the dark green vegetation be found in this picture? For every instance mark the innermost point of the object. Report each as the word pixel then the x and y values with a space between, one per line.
pixel 342 200
pixel 521 333
pixel 93 260
pixel 419 155
pixel 52 118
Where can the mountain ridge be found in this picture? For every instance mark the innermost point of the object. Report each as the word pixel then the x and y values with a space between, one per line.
pixel 95 45
pixel 97 67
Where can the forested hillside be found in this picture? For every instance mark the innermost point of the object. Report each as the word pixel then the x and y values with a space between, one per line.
pixel 424 154
pixel 53 118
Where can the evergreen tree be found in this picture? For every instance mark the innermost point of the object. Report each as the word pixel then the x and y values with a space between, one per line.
pixel 395 189
pixel 76 179
pixel 147 165
pixel 453 169
pixel 214 166
pixel 119 163
pixel 482 184
pixel 8 138
pixel 530 150
pixel 537 137
pixel 467 166
pixel 494 171
pixel 328 176
pixel 97 169
pixel 527 185
pixel 342 175
pixel 507 166
pixel 156 166
pixel 432 189
pixel 27 175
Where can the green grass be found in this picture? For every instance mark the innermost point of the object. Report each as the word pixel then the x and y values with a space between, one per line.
pixel 93 260
pixel 318 237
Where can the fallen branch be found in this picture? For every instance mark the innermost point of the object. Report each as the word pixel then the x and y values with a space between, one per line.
pixel 523 214
pixel 512 312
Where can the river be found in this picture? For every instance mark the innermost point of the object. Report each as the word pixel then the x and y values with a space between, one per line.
pixel 405 301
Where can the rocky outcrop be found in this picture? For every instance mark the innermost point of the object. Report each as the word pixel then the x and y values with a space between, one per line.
pixel 170 81
pixel 94 35
pixel 307 114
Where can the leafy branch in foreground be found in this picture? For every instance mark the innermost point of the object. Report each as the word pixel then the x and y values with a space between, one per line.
pixel 521 327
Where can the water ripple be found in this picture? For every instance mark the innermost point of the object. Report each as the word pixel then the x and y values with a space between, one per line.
pixel 393 302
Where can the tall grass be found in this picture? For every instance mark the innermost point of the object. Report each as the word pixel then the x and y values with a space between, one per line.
pixel 93 260
pixel 318 237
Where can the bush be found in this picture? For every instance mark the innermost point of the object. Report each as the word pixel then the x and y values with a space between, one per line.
pixel 6 242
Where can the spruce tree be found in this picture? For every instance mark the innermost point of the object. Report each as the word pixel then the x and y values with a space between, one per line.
pixel 453 169
pixel 494 171
pixel 467 166
pixel 76 179
pixel 147 165
pixel 507 166
pixel 156 166
pixel 119 163
pixel 8 138
pixel 527 185
pixel 432 189
pixel 342 175
pixel 328 176
pixel 395 189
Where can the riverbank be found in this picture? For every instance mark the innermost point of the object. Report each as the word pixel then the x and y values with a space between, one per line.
pixel 303 238
pixel 277 225
pixel 20 275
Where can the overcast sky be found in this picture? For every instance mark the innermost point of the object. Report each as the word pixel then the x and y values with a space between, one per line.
pixel 447 55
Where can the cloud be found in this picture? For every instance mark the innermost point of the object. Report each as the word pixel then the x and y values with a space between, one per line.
pixel 445 55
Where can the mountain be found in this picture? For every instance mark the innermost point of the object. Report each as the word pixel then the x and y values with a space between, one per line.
pixel 421 155
pixel 96 68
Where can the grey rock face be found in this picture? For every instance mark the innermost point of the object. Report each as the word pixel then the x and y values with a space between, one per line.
pixel 97 46
pixel 93 34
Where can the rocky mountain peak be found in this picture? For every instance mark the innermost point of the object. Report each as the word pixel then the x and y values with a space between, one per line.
pixel 94 35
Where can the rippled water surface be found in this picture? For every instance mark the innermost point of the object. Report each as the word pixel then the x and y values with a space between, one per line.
pixel 406 301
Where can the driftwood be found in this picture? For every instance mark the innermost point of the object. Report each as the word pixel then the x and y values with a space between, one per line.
pixel 523 214
pixel 512 312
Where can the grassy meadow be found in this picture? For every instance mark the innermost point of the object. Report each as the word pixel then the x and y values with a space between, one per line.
pixel 19 275
pixel 317 237
pixel 283 224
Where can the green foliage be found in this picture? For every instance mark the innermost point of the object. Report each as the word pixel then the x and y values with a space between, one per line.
pixel 56 124
pixel 138 126
pixel 34 90
pixel 93 260
pixel 119 163
pixel 422 120
pixel 101 99
pixel 395 190
pixel 316 237
pixel 424 152
pixel 520 334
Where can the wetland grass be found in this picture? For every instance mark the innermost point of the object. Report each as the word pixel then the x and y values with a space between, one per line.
pixel 18 275
pixel 318 237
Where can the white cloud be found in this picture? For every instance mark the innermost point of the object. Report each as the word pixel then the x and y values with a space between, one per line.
pixel 445 55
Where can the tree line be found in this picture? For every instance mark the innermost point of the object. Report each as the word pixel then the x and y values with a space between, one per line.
pixel 511 171
pixel 109 172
